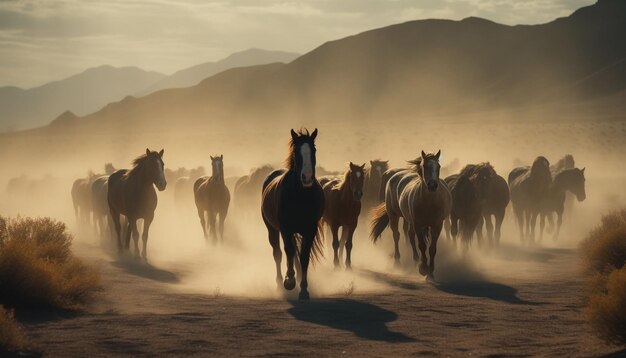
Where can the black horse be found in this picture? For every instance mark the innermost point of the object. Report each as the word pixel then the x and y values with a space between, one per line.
pixel 293 203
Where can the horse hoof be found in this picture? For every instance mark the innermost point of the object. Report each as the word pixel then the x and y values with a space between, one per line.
pixel 304 295
pixel 290 283
pixel 348 267
pixel 430 278
pixel 423 270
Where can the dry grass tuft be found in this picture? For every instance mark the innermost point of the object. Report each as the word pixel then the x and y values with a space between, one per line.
pixel 12 339
pixel 604 255
pixel 37 268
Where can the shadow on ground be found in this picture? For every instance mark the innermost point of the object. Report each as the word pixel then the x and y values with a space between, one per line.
pixel 389 279
pixel 146 270
pixel 365 320
pixel 484 289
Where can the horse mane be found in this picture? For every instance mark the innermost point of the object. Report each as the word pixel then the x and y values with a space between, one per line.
pixel 344 181
pixel 289 161
pixel 137 165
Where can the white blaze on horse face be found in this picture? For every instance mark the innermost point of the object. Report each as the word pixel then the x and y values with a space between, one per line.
pixel 161 183
pixel 307 165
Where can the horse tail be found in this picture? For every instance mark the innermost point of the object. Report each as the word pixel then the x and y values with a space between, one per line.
pixel 379 222
pixel 317 245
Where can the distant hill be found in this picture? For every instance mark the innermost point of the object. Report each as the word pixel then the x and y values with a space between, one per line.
pixel 414 70
pixel 193 75
pixel 82 94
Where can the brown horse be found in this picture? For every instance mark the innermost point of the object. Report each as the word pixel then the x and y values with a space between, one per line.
pixel 81 198
pixel 567 180
pixel 212 199
pixel 496 200
pixel 469 189
pixel 373 180
pixel 342 208
pixel 293 203
pixel 424 201
pixel 131 193
pixel 528 187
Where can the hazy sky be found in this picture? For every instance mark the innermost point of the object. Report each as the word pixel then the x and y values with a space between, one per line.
pixel 44 40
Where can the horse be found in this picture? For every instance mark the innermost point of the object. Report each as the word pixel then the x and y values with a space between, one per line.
pixel 81 198
pixel 373 180
pixel 567 162
pixel 469 189
pixel 424 201
pixel 131 193
pixel 496 200
pixel 572 180
pixel 99 203
pixel 212 199
pixel 247 189
pixel 342 209
pixel 528 187
pixel 293 203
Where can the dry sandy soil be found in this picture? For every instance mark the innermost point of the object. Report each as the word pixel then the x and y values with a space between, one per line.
pixel 531 305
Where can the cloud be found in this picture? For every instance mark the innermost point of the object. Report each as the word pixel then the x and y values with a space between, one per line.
pixel 42 40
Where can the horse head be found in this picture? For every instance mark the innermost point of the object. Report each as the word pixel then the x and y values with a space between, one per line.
pixel 357 176
pixel 217 167
pixel 154 167
pixel 302 156
pixel 430 168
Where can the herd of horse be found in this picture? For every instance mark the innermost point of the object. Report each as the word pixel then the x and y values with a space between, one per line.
pixel 296 204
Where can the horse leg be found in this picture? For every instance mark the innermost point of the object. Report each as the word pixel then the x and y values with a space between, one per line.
pixel 274 239
pixel 533 223
pixel 446 225
pixel 559 221
pixel 132 228
pixel 479 229
pixel 290 251
pixel 202 222
pixel 144 236
pixel 421 242
pixel 413 247
pixel 212 226
pixel 115 217
pixel 350 231
pixel 542 225
pixel 498 230
pixel 489 227
pixel 393 224
pixel 334 230
pixel 221 225
pixel 527 219
pixel 305 256
pixel 435 231
pixel 454 225
pixel 405 230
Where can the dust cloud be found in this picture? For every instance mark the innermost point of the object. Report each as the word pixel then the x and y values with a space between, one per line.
pixel 37 183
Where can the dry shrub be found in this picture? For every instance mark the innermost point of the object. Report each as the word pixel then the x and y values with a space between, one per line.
pixel 12 338
pixel 37 268
pixel 604 255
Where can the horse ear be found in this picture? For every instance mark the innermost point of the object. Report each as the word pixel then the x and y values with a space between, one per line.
pixel 351 165
pixel 583 170
pixel 438 154
pixel 423 154
pixel 294 135
pixel 147 151
pixel 363 166
pixel 314 134
pixel 211 157
pixel 161 153
pixel 222 156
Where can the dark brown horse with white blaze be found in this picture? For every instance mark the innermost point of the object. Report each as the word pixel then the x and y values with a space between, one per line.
pixel 212 199
pixel 342 209
pixel 293 203
pixel 424 201
pixel 131 193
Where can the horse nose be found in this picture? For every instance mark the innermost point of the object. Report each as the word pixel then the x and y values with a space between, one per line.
pixel 582 197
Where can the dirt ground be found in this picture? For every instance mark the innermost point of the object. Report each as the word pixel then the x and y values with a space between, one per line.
pixel 531 306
